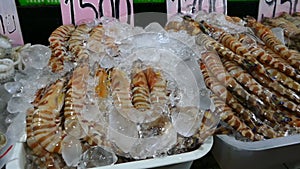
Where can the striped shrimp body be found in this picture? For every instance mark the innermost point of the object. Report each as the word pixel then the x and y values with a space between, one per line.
pixel 283 79
pixel 46 120
pixel 58 44
pixel 34 145
pixel 277 87
pixel 266 35
pixel 77 42
pixel 94 41
pixel 192 27
pixel 121 93
pixel 157 85
pixel 102 83
pixel 276 56
pixel 294 60
pixel 212 60
pixel 75 102
pixel 99 42
pixel 217 70
pixel 187 24
pixel 255 85
pixel 290 30
pixel 227 115
pixel 220 91
pixel 294 19
pixel 268 59
pixel 210 43
pixel 233 44
pixel 140 89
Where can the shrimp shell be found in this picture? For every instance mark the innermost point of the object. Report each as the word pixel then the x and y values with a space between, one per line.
pixel 255 85
pixel 277 87
pixel 217 70
pixel 187 24
pixel 121 94
pixel 31 141
pixel 266 35
pixel 140 89
pixel 77 41
pixel 96 37
pixel 46 118
pixel 290 30
pixel 102 83
pixel 174 25
pixel 283 79
pixel 233 44
pixel 210 43
pixel 120 88
pixel 212 60
pixel 58 44
pixel 74 101
pixel 268 59
pixel 228 116
pixel 294 19
pixel 157 86
pixel 250 118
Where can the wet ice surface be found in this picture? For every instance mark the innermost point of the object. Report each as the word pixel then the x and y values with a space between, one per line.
pixel 218 19
pixel 18 104
pixel 151 134
pixel 17 94
pixel 36 56
pixel 96 157
pixel 71 150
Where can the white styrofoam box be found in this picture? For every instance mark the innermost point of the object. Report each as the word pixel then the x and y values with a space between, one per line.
pixel 276 153
pixel 178 161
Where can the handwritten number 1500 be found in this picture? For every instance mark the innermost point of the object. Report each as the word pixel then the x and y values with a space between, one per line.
pixel 292 5
pixel 98 10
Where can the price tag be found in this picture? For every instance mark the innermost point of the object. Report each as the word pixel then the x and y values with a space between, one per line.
pixel 190 6
pixel 9 22
pixel 76 11
pixel 273 8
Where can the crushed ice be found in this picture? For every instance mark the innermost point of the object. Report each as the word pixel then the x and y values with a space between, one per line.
pixel 153 46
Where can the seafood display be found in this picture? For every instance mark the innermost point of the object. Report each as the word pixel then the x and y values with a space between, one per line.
pixel 135 93
pixel 253 76
pixel 290 25
pixel 95 88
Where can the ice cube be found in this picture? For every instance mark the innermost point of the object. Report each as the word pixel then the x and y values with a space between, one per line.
pixel 2 105
pixel 18 104
pixel 122 131
pixel 107 62
pixel 156 138
pixel 5 96
pixel 97 156
pixel 71 150
pixel 154 27
pixel 16 129
pixel 36 56
pixel 187 120
pixel 13 87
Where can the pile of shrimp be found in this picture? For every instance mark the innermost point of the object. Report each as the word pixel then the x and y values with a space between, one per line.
pixel 254 77
pixel 290 23
pixel 141 97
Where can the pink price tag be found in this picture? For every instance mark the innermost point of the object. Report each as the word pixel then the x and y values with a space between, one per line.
pixel 76 11
pixel 273 8
pixel 9 22
pixel 190 6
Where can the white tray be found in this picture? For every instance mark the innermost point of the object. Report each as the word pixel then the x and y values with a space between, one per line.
pixel 178 161
pixel 276 153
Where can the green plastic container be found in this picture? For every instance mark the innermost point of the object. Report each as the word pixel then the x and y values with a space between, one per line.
pixel 38 2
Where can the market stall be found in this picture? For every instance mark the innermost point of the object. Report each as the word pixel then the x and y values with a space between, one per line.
pixel 153 93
